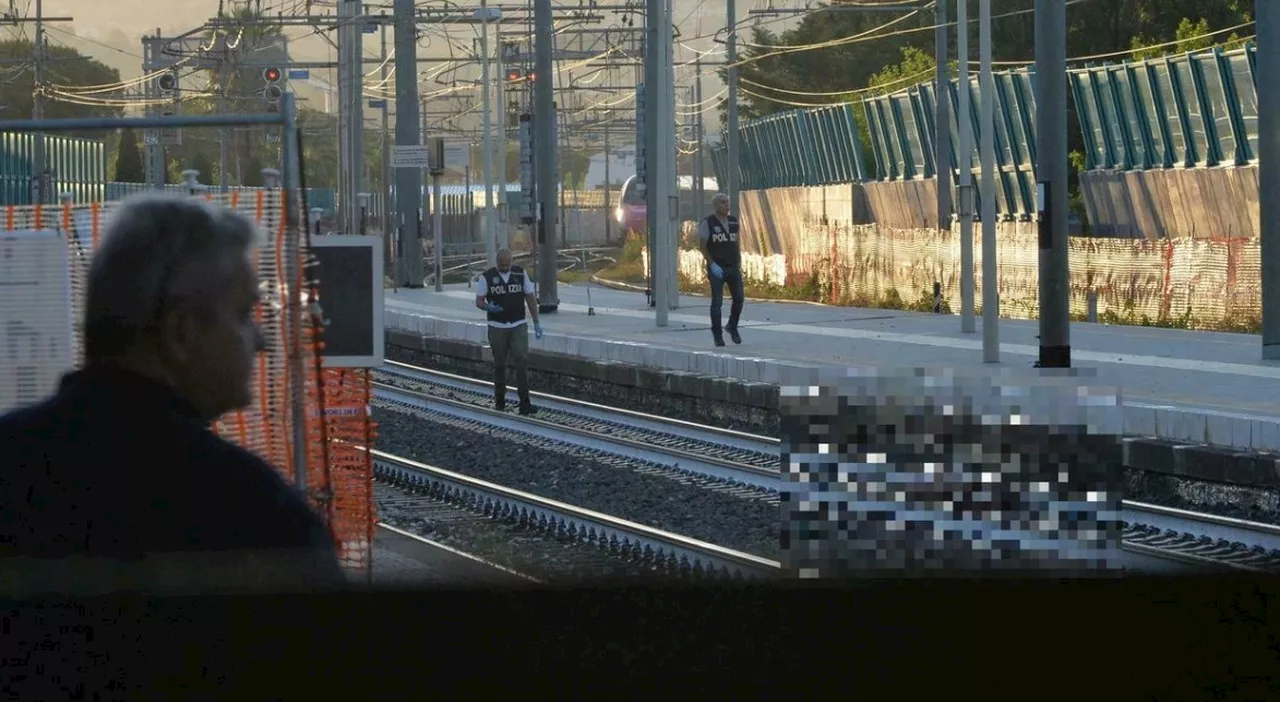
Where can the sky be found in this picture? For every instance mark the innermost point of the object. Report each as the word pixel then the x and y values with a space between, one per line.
pixel 111 30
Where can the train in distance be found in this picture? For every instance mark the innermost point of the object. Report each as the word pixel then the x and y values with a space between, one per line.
pixel 630 213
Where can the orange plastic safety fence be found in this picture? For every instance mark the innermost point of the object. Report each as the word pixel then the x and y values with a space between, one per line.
pixel 337 426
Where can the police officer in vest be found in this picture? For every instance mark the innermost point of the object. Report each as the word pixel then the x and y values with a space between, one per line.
pixel 504 292
pixel 719 236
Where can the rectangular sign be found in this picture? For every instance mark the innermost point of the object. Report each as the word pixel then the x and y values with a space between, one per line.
pixel 299 74
pixel 374 104
pixel 36 333
pixel 418 156
pixel 351 299
pixel 457 155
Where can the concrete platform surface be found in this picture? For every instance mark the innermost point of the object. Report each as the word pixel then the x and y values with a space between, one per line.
pixel 1204 387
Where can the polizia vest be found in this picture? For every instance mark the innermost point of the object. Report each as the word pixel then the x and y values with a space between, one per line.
pixel 509 294
pixel 722 241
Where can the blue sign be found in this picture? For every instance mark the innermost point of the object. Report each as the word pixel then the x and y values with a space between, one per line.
pixel 370 29
pixel 299 74
pixel 377 103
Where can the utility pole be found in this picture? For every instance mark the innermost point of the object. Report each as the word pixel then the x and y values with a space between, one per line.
pixel 731 140
pixel 384 212
pixel 1268 26
pixel 408 222
pixel 661 167
pixel 490 231
pixel 350 113
pixel 39 165
pixel 964 189
pixel 699 185
pixel 223 133
pixel 1051 185
pixel 986 128
pixel 544 123
pixel 500 144
pixel 608 188
pixel 942 123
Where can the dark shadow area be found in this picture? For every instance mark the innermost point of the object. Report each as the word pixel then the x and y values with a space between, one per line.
pixel 1006 638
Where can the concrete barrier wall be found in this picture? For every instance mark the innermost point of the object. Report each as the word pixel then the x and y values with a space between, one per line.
pixel 859 243
pixel 1202 203
pixel 1216 281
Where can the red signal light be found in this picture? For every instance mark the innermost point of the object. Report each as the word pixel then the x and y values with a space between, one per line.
pixel 513 74
pixel 271 75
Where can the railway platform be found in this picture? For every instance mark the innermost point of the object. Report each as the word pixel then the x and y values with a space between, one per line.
pixel 1204 387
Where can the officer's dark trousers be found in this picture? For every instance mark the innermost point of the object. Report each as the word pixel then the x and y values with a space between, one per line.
pixel 733 278
pixel 510 344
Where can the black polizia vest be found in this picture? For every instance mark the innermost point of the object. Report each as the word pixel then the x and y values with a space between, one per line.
pixel 509 294
pixel 722 241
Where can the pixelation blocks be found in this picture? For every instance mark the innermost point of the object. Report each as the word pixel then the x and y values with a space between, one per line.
pixel 943 472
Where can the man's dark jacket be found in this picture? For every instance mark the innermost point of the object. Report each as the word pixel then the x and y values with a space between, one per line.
pixel 118 467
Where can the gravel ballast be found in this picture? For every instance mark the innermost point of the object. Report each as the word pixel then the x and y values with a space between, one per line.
pixel 538 555
pixel 572 475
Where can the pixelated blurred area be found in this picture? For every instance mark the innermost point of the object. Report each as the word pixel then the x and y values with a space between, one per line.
pixel 937 472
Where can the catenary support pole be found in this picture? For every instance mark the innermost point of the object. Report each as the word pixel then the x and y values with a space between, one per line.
pixel 351 112
pixel 731 138
pixel 608 189
pixel 964 189
pixel 545 153
pixel 500 147
pixel 670 169
pixel 942 120
pixel 1268 67
pixel 39 161
pixel 437 233
pixel 409 214
pixel 1051 186
pixel 656 120
pixel 699 157
pixel 384 210
pixel 486 85
pixel 986 127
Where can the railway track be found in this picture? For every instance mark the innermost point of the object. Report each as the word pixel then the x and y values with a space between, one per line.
pixel 652 549
pixel 741 463
pixel 1150 533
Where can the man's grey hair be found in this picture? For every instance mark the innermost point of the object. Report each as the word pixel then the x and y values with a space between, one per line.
pixel 719 197
pixel 160 252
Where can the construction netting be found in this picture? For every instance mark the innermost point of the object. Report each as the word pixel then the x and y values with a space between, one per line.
pixel 1196 283
pixel 335 422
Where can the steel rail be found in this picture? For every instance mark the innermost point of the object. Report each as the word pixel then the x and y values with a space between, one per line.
pixel 596 526
pixel 652 422
pixel 677 459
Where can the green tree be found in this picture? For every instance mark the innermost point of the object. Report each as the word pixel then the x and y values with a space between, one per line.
pixel 203 163
pixel 128 167
pixel 66 72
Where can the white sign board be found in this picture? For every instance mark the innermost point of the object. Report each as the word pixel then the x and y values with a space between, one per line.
pixel 411 156
pixel 36 337
pixel 457 156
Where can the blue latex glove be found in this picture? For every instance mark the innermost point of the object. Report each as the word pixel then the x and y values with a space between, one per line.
pixel 494 308
pixel 537 330
pixel 716 270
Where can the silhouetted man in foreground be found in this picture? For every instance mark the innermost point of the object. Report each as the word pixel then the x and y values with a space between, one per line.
pixel 117 482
